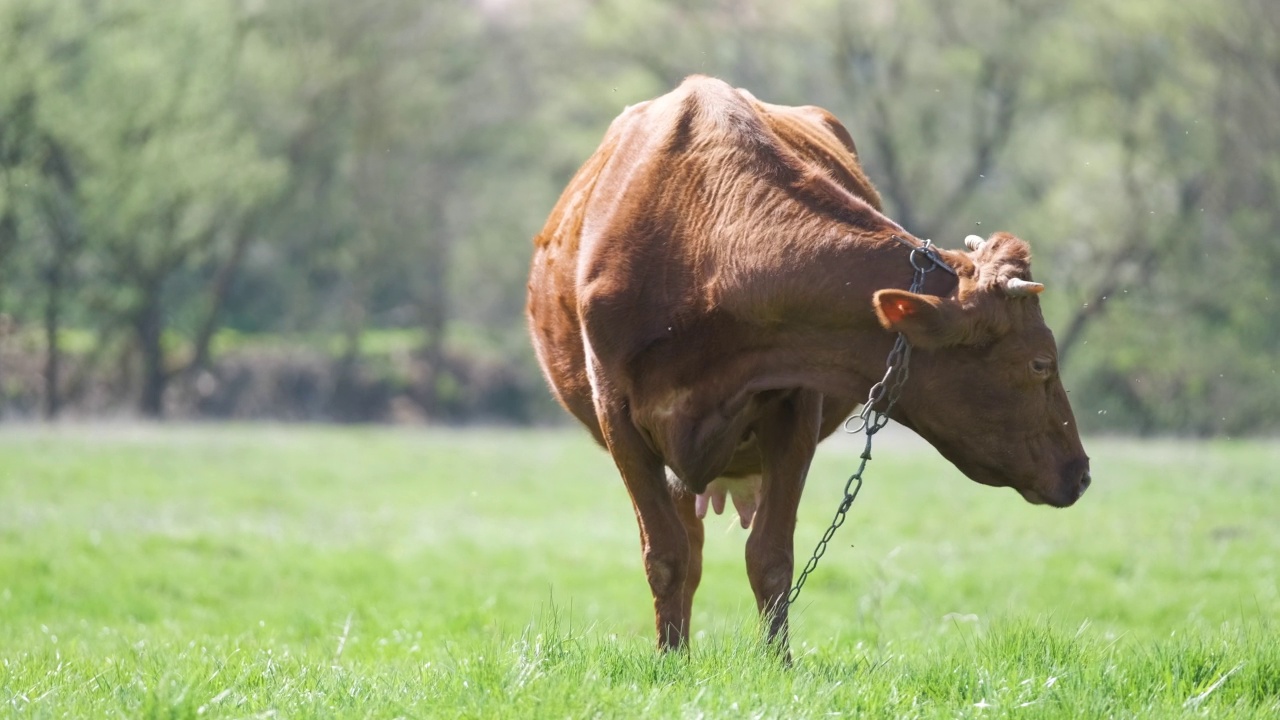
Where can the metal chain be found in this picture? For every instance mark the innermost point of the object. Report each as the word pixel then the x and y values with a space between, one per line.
pixel 924 259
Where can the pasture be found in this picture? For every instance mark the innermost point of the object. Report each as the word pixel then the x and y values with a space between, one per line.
pixel 334 572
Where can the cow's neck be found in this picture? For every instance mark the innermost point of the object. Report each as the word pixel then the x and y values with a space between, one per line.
pixel 818 305
pixel 799 319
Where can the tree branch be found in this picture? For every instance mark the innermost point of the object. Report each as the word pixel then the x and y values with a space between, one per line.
pixel 991 133
pixel 1137 248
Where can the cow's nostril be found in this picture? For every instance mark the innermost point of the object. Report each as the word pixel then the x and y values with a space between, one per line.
pixel 1085 480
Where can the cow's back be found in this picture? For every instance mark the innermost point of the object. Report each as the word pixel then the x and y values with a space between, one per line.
pixel 816 135
pixel 616 254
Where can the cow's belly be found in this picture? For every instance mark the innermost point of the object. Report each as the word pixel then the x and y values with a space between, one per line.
pixel 696 438
pixel 727 463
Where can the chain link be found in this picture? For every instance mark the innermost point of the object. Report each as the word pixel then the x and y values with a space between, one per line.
pixel 924 259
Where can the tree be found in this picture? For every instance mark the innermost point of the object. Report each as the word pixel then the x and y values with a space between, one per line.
pixel 39 182
pixel 165 171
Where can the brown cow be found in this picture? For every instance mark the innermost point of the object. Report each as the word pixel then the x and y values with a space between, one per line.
pixel 716 290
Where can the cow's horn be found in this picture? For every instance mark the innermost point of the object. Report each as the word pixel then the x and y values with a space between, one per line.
pixel 973 242
pixel 1017 287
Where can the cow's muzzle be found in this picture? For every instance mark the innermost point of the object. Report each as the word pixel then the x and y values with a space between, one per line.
pixel 1072 482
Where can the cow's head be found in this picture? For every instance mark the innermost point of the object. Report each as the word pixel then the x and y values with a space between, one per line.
pixel 984 387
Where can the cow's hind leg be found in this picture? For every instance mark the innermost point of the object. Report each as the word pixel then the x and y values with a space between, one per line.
pixel 788 436
pixel 663 539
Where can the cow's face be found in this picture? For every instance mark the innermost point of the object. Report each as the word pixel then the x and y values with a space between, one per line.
pixel 983 386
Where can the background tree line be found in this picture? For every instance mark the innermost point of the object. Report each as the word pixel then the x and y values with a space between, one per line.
pixel 320 209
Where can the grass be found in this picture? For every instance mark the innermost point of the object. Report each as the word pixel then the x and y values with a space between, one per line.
pixel 327 572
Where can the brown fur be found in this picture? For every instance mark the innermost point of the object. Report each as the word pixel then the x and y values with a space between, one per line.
pixel 713 294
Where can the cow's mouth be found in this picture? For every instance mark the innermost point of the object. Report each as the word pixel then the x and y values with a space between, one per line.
pixel 1057 491
pixel 1060 500
pixel 1032 497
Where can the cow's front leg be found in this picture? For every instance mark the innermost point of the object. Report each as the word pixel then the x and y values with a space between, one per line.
pixel 788 436
pixel 663 539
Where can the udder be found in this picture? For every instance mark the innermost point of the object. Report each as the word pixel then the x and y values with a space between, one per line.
pixel 745 492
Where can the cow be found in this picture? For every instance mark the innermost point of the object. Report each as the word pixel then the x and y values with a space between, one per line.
pixel 717 289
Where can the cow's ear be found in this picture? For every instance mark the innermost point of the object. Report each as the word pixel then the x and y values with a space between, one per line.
pixel 926 320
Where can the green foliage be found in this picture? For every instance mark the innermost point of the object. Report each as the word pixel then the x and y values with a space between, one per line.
pixel 318 572
pixel 144 167
pixel 170 161
pixel 338 169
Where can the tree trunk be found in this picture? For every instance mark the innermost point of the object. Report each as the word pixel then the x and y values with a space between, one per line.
pixel 60 213
pixel 218 294
pixel 8 234
pixel 433 359
pixel 149 325
pixel 217 299
pixel 8 239
pixel 435 318
pixel 345 401
pixel 52 359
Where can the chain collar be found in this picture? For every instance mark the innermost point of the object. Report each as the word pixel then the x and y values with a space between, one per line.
pixel 925 251
pixel 924 259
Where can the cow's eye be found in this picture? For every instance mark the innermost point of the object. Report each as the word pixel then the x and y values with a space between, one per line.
pixel 1042 367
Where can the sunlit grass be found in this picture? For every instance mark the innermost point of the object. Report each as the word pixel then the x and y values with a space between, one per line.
pixel 318 572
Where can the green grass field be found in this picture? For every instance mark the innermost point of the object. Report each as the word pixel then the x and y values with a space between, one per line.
pixel 328 572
